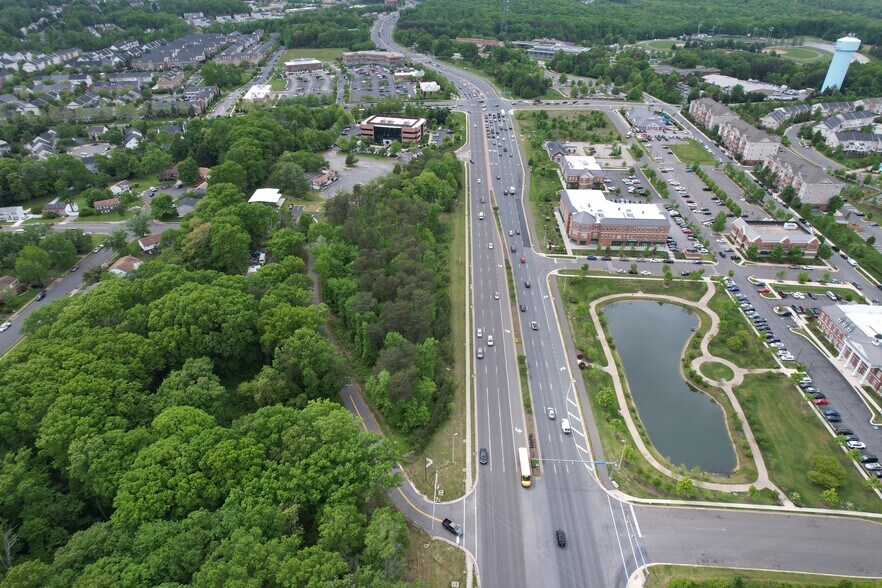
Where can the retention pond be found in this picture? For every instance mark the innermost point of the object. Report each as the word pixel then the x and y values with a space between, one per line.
pixel 686 426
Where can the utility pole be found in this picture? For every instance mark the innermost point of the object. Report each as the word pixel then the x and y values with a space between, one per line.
pixel 505 17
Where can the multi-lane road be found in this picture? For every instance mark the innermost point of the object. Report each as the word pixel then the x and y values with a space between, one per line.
pixel 510 530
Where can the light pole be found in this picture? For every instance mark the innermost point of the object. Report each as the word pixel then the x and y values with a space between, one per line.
pixel 453 448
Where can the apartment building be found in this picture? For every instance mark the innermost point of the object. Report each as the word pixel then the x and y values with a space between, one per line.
pixel 747 142
pixel 810 183
pixel 710 114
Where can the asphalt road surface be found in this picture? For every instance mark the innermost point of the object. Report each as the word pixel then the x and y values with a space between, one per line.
pixel 509 530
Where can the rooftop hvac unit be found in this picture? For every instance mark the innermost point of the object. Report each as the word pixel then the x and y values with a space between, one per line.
pixel 790 226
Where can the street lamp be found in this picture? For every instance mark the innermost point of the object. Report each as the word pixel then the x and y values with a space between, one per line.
pixel 453 448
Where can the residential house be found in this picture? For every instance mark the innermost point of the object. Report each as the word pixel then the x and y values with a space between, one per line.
pixel 12 213
pixel 150 243
pixel 169 80
pixel 748 142
pixel 872 104
pixel 846 121
pixel 43 145
pixel 95 133
pixel 9 285
pixel 121 188
pixel 132 139
pixel 810 183
pixel 125 265
pixel 106 206
pixel 186 205
pixel 855 142
pixel 61 208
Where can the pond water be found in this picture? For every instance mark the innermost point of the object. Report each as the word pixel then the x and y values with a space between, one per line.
pixel 686 426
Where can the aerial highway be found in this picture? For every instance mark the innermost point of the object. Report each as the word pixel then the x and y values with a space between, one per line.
pixel 509 530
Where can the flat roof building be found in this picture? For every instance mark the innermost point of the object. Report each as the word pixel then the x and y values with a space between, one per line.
pixel 581 172
pixel 303 64
pixel 767 235
pixel 267 196
pixel 385 129
pixel 590 219
pixel 258 93
pixel 547 51
pixel 855 330
pixel 381 58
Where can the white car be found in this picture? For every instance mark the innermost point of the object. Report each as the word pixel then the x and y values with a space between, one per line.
pixel 489 340
pixel 480 333
pixel 645 273
pixel 855 444
pixel 496 295
pixel 5 326
pixel 489 245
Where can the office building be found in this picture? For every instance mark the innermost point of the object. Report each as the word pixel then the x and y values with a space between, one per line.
pixel 385 129
pixel 767 235
pixel 303 64
pixel 258 93
pixel 855 330
pixel 592 220
pixel 380 58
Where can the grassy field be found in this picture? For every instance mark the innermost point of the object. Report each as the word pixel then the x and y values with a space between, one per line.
pixel 658 44
pixel 802 54
pixel 692 152
pixel 789 435
pixel 278 84
pixel 430 563
pixel 707 577
pixel 751 354
pixel 323 55
pixel 717 371
pixel 592 289
pixel 451 434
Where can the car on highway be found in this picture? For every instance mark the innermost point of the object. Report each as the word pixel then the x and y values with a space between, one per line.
pixel 496 295
pixel 489 340
pixel 489 245
pixel 560 537
pixel 550 412
pixel 483 456
pixel 534 325
pixel 523 308
pixel 5 326
pixel 526 283
pixel 565 426
pixel 480 353
pixel 479 333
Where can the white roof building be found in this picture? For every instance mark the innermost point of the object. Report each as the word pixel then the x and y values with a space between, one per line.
pixel 594 202
pixel 258 93
pixel 267 196
pixel 429 87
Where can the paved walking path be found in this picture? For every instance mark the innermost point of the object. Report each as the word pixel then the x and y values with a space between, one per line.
pixel 763 480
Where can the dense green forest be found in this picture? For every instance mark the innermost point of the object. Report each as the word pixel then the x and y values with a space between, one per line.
pixel 609 21
pixel 176 427
pixel 381 255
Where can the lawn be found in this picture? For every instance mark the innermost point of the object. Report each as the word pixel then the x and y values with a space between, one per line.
pixel 277 84
pixel 592 289
pixel 750 353
pixel 707 577
pixel 451 434
pixel 717 371
pixel 692 152
pixel 430 562
pixel 323 55
pixel 789 435
pixel 847 294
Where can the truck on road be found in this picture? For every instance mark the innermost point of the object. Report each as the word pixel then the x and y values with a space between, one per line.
pixel 452 527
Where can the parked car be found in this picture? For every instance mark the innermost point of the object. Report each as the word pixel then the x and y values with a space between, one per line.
pixel 41 295
pixel 855 444
pixel 843 431
pixel 5 326
pixel 821 401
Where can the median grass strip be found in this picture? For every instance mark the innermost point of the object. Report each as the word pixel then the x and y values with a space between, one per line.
pixel 846 294
pixel 737 341
pixel 790 435
pixel 708 577
pixel 692 152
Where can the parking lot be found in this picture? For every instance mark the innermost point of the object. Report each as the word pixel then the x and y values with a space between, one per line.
pixel 305 83
pixel 369 84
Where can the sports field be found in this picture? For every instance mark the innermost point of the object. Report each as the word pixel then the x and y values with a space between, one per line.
pixel 802 54
pixel 658 44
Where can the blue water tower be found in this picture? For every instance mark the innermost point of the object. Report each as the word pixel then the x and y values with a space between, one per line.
pixel 845 48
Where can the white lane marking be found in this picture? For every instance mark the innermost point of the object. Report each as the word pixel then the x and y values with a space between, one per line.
pixel 631 538
pixel 634 518
pixel 571 401
pixel 580 448
pixel 579 433
pixel 618 539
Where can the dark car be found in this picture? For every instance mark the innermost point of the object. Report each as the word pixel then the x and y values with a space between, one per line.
pixel 526 283
pixel 818 395
pixel 560 537
pixel 843 431
pixel 452 527
pixel 591 258
pixel 856 285
pixel 667 261
pixel 869 458
pixel 523 308
pixel 606 258
pixel 483 456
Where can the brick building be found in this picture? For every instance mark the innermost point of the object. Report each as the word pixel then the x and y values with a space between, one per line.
pixel 855 330
pixel 592 220
pixel 766 235
pixel 581 172
pixel 385 129
pixel 748 142
pixel 381 58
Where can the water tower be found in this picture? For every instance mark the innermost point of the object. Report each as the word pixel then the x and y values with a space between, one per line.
pixel 845 48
